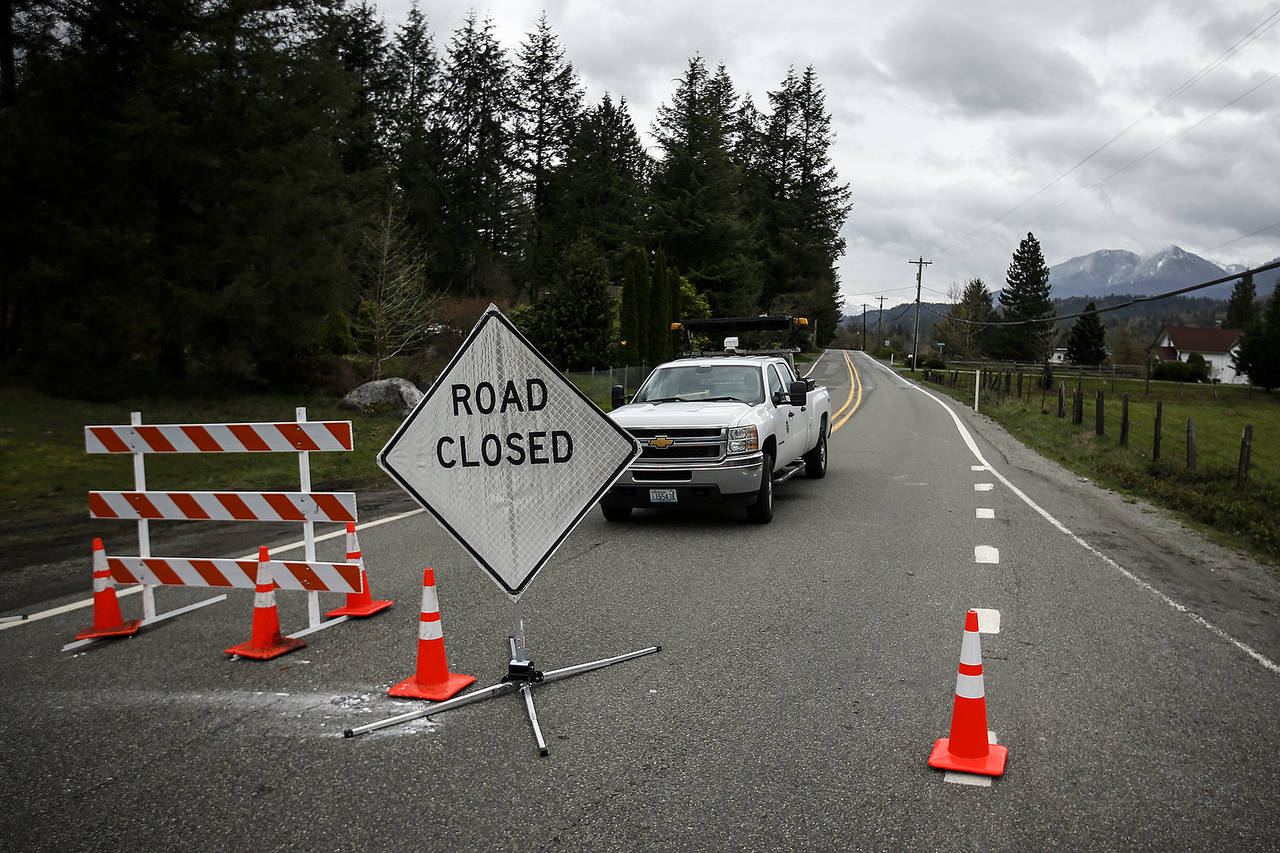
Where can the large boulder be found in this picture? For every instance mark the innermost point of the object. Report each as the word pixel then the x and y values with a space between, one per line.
pixel 384 395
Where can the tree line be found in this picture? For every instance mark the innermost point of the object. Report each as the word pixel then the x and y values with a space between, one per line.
pixel 974 329
pixel 220 192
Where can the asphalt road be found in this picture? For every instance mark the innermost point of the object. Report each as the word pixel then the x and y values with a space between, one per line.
pixel 807 667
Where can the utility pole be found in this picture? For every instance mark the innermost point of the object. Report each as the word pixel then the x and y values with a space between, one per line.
pixel 864 327
pixel 915 344
pixel 880 324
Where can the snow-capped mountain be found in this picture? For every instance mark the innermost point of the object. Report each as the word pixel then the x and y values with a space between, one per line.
pixel 1114 271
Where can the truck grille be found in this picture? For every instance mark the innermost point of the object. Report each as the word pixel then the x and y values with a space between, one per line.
pixel 681 444
pixel 680 451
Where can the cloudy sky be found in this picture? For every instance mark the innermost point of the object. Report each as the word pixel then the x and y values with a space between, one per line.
pixel 962 126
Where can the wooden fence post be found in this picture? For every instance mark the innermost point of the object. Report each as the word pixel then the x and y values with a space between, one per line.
pixel 1246 446
pixel 1062 399
pixel 1124 421
pixel 1077 406
pixel 1098 426
pixel 1191 444
pixel 1155 444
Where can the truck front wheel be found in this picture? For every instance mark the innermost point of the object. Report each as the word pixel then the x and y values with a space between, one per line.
pixel 761 512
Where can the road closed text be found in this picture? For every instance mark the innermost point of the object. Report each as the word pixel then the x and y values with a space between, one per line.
pixel 533 447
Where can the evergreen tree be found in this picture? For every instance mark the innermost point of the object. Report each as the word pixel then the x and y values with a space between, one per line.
pixel 1025 300
pixel 1241 308
pixel 962 331
pixel 658 339
pixel 634 318
pixel 477 234
pixel 1259 355
pixel 699 212
pixel 548 109
pixel 577 317
pixel 361 40
pixel 601 185
pixel 414 71
pixel 1087 342
pixel 805 205
pixel 189 216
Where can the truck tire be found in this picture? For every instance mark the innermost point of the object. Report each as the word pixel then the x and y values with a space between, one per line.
pixel 615 513
pixel 761 512
pixel 815 461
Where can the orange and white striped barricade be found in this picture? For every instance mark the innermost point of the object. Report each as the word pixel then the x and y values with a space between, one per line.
pixel 216 573
pixel 304 506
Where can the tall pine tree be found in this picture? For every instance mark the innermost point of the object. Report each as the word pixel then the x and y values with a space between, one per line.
pixel 547 112
pixel 478 233
pixel 806 206
pixel 602 185
pixel 699 213
pixel 1025 300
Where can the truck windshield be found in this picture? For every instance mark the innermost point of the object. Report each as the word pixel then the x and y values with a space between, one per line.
pixel 709 383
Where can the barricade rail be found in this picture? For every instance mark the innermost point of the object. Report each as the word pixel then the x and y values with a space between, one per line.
pixel 301 437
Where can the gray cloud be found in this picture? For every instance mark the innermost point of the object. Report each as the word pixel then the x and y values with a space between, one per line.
pixel 980 69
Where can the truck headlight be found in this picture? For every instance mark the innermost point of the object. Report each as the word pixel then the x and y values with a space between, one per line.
pixel 743 439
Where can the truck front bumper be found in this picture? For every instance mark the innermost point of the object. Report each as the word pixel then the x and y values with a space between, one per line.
pixel 734 480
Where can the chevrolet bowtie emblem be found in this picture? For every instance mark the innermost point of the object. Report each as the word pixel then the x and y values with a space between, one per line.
pixel 661 442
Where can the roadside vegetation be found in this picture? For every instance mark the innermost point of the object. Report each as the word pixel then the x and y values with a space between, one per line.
pixel 1208 498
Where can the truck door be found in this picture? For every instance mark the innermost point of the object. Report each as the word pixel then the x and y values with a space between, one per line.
pixel 785 423
pixel 804 430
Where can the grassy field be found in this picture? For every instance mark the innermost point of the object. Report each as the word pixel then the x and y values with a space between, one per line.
pixel 1247 518
pixel 47 474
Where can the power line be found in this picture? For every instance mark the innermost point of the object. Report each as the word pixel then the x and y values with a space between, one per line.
pixel 1238 239
pixel 1173 138
pixel 1267 23
pixel 1134 301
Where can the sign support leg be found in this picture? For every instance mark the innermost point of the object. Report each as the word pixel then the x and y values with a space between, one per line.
pixel 520 676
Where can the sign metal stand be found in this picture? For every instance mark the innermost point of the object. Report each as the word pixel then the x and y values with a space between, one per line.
pixel 508 455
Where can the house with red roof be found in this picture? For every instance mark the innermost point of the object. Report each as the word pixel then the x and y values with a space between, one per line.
pixel 1217 346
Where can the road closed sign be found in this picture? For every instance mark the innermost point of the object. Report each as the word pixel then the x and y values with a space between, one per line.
pixel 506 453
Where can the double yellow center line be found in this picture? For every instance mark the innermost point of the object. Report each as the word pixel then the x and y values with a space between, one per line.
pixel 855 394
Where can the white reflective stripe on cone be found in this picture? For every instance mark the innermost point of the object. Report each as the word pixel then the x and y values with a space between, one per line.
pixel 430 602
pixel 101 582
pixel 430 630
pixel 971 649
pixel 265 599
pixel 969 686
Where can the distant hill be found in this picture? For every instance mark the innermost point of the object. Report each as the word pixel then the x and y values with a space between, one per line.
pixel 1116 271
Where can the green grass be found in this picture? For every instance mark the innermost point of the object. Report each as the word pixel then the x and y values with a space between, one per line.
pixel 47 474
pixel 1246 518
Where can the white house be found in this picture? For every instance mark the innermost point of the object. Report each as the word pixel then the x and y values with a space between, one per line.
pixel 1176 343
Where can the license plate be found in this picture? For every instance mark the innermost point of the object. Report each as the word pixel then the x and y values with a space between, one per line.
pixel 662 496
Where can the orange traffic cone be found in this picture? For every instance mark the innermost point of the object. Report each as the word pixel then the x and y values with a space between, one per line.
pixel 968 749
pixel 266 641
pixel 433 680
pixel 358 603
pixel 107 619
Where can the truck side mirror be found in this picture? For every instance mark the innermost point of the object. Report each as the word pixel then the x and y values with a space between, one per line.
pixel 617 396
pixel 799 392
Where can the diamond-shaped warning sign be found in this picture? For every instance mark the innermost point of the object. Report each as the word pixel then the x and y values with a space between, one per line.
pixel 506 452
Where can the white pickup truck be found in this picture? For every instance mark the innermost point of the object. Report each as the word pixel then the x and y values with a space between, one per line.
pixel 719 429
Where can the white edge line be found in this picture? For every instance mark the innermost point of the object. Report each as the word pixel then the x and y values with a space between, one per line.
pixel 130 590
pixel 1195 617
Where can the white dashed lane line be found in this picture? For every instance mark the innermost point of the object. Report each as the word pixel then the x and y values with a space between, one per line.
pixel 983 487
pixel 985 554
pixel 985 512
